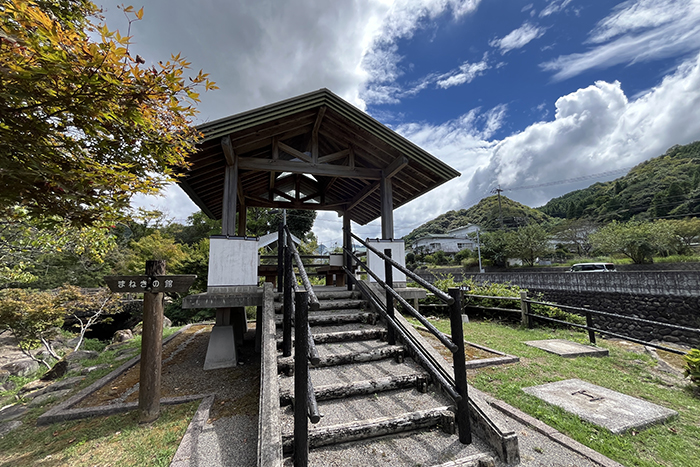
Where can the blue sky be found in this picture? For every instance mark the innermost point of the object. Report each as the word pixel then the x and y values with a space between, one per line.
pixel 525 95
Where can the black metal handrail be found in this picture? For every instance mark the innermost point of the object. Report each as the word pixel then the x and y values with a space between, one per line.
pixel 296 311
pixel 455 386
pixel 419 280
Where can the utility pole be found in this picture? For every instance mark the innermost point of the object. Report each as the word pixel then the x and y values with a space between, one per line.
pixel 500 209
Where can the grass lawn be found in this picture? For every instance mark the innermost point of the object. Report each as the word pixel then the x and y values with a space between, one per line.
pixel 100 441
pixel 675 443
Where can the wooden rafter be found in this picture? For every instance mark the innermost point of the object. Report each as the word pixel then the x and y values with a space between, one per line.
pixel 266 165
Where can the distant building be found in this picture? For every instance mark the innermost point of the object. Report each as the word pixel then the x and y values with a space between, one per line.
pixel 451 242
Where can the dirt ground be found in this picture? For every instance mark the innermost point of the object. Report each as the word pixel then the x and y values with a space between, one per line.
pixel 182 373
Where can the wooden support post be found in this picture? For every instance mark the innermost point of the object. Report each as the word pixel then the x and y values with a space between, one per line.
pixel 280 258
pixel 460 367
pixel 389 279
pixel 287 304
pixel 151 348
pixel 385 192
pixel 347 245
pixel 301 381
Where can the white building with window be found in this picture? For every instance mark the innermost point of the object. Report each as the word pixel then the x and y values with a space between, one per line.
pixel 451 242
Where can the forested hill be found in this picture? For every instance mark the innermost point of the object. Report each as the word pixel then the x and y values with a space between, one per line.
pixel 665 186
pixel 485 214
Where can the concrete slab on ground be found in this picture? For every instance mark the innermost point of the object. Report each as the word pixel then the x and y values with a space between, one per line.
pixel 601 406
pixel 568 349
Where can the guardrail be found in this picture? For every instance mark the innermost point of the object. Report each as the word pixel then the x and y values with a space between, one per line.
pixel 455 385
pixel 528 318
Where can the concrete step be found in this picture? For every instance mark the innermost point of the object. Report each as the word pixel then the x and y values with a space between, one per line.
pixel 324 318
pixel 341 336
pixel 332 305
pixel 358 388
pixel 376 427
pixel 285 364
pixel 328 295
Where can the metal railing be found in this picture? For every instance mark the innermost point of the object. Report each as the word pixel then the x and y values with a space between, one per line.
pixel 528 317
pixel 455 385
pixel 295 311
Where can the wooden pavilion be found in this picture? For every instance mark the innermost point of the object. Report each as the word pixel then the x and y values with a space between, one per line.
pixel 315 151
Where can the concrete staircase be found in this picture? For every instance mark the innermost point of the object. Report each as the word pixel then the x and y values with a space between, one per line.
pixel 377 405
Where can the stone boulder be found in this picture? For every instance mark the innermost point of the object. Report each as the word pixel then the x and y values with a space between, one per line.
pixel 22 367
pixel 122 335
pixel 58 371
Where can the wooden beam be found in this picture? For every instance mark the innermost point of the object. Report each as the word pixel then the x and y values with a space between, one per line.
pixel 395 167
pixel 227 147
pixel 314 134
pixel 228 218
pixel 275 149
pixel 268 165
pixel 366 191
pixel 294 152
pixel 242 219
pixel 334 156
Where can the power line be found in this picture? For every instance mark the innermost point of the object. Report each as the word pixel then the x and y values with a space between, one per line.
pixel 570 180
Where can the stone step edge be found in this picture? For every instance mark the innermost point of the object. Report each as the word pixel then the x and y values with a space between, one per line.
pixel 323 318
pixel 343 336
pixel 374 428
pixel 286 364
pixel 332 305
pixel 361 388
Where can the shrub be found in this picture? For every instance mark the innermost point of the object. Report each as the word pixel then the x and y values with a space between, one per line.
pixel 692 366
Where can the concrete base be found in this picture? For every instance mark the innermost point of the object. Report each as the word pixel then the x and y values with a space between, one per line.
pixel 609 409
pixel 568 349
pixel 221 352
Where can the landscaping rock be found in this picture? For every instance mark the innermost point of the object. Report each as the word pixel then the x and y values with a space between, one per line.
pixel 138 329
pixel 58 371
pixel 12 412
pixel 167 323
pixel 8 386
pixel 47 397
pixel 81 355
pixel 122 335
pixel 22 367
pixel 7 427
pixel 33 386
pixel 68 383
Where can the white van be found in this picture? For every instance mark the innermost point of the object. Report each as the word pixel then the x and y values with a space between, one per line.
pixel 593 267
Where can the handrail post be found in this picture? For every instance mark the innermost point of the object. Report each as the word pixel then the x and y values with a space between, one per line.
pixel 525 310
pixel 301 381
pixel 589 327
pixel 280 258
pixel 389 280
pixel 287 304
pixel 460 367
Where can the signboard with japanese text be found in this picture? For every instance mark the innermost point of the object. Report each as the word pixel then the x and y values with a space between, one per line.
pixel 153 284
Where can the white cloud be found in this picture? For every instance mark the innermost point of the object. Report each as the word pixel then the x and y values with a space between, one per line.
pixel 596 129
pixel 518 38
pixel 644 31
pixel 554 7
pixel 464 74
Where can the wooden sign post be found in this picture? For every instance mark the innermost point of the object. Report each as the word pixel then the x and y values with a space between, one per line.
pixel 152 285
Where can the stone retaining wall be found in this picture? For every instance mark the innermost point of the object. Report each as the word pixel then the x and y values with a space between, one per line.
pixel 665 296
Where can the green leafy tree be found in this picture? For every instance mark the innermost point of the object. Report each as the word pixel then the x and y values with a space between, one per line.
pixel 84 122
pixel 494 247
pixel 635 239
pixel 156 246
pixel 33 317
pixel 528 243
pixel 576 234
pixel 87 309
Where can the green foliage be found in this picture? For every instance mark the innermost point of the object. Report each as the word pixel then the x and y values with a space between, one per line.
pixel 528 243
pixel 33 316
pixel 156 246
pixel 692 366
pixel 664 186
pixel 485 214
pixel 86 123
pixel 87 309
pixel 637 240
